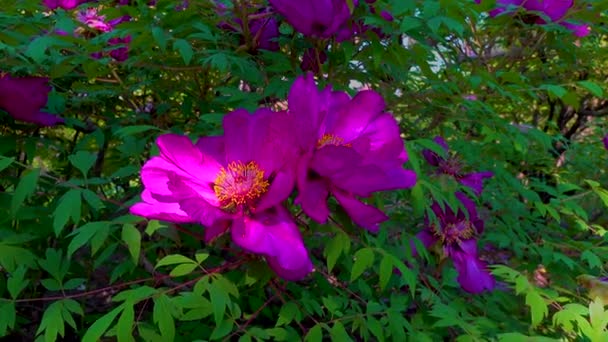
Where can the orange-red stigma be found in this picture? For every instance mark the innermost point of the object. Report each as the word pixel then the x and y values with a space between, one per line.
pixel 331 139
pixel 239 184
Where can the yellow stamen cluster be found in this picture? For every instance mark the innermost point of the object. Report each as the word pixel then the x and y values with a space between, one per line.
pixel 331 139
pixel 240 184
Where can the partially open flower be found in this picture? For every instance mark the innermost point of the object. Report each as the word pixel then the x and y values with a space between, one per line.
pixel 24 97
pixel 316 18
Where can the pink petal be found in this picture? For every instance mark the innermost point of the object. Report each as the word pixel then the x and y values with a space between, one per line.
pixel 274 235
pixel 152 209
pixel 365 215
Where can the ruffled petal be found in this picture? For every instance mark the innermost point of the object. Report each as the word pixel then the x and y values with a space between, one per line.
pixel 365 215
pixel 274 235
pixel 152 209
pixel 354 117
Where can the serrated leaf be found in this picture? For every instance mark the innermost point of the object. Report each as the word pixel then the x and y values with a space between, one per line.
pixel 69 207
pixel 132 237
pixel 26 187
pixel 364 258
pixel 17 282
pixel 538 307
pixel 84 234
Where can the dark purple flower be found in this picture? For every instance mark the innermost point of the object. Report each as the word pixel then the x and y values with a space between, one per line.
pixel 24 97
pixel 234 182
pixel 605 141
pixel 456 233
pixel 555 10
pixel 65 4
pixel 316 18
pixel 350 148
pixel 122 53
pixel 451 165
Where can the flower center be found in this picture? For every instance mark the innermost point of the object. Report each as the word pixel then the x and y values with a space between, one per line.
pixel 240 184
pixel 330 139
pixel 454 232
pixel 450 166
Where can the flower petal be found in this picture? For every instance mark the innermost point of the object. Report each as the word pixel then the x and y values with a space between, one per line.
pixel 364 215
pixel 152 209
pixel 472 273
pixel 274 234
pixel 474 180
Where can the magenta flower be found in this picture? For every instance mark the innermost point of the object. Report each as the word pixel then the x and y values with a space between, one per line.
pixel 555 10
pixel 605 141
pixel 456 233
pixel 24 97
pixel 350 148
pixel 94 20
pixel 453 167
pixel 234 182
pixel 316 18
pixel 65 4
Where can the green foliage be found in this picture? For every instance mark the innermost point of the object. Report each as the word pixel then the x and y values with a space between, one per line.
pixel 75 264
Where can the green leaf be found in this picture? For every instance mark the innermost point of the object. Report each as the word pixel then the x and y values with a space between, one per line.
pixel 132 130
pixel 173 259
pixel 52 323
pixel 93 199
pixel 386 271
pixel 340 244
pixel 5 162
pixel 219 300
pixel 101 325
pixel 222 329
pixel 338 333
pixel 154 225
pixel 593 88
pixel 315 334
pixel 69 206
pixel 592 259
pixel 287 314
pixel 185 50
pixel 83 161
pixel 132 237
pixel 409 23
pixel 8 317
pixel 364 258
pixel 124 326
pixel 555 91
pixel 26 186
pixel 162 316
pixel 182 270
pixel 200 257
pixel 538 307
pixel 12 256
pixel 159 36
pixel 17 282
pixel 84 234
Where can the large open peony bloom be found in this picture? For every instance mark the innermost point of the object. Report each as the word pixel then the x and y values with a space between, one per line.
pixel 456 233
pixel 234 182
pixel 24 97
pixel 555 10
pixel 317 18
pixel 453 167
pixel 350 148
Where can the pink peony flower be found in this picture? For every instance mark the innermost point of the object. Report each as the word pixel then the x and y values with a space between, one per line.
pixel 234 182
pixel 350 148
